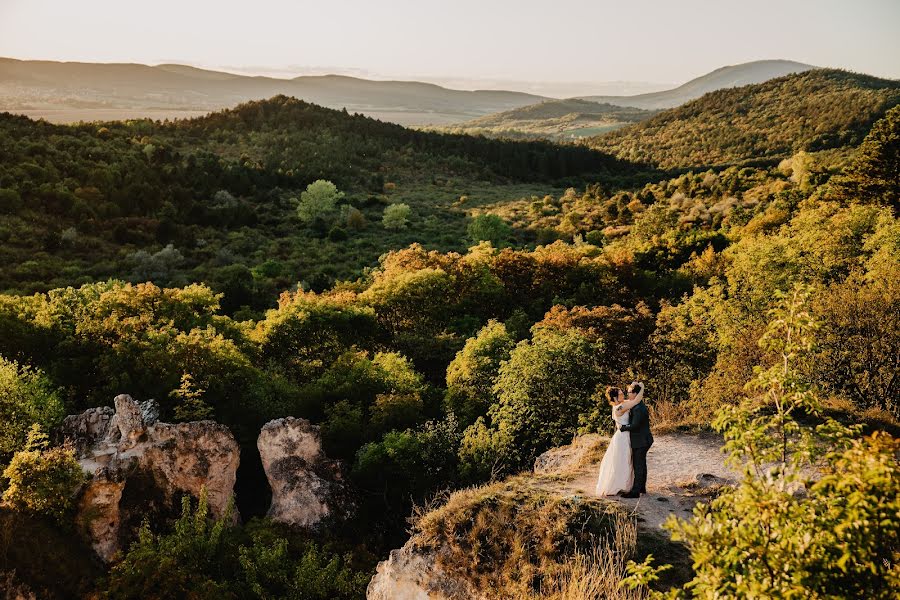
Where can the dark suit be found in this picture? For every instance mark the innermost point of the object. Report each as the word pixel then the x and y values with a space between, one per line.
pixel 638 429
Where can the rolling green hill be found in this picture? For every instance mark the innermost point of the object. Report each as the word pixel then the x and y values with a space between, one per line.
pixel 725 77
pixel 814 110
pixel 72 91
pixel 554 119
pixel 81 203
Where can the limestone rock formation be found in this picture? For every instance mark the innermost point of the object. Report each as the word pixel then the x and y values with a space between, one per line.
pixel 584 450
pixel 307 487
pixel 141 467
pixel 410 574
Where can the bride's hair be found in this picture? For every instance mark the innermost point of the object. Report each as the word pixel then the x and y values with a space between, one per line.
pixel 612 394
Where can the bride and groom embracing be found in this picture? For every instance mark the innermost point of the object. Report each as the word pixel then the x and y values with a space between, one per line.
pixel 623 470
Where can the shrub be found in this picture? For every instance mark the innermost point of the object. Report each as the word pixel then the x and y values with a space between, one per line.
pixel 189 396
pixel 337 234
pixel 42 480
pixel 10 201
pixel 355 219
pixel 26 397
pixel 203 558
pixel 543 389
pixel 396 216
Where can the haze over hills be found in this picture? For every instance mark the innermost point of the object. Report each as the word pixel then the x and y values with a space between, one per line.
pixel 814 110
pixel 555 119
pixel 72 91
pixel 724 77
pixel 69 91
pixel 587 116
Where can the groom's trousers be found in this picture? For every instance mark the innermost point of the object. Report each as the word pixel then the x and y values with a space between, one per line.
pixel 639 461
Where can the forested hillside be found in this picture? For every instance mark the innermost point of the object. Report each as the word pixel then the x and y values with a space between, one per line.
pixel 757 124
pixel 215 198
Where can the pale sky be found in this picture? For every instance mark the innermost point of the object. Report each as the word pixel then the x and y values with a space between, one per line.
pixel 666 41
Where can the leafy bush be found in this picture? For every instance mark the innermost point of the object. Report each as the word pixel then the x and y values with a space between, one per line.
pixel 42 480
pixel 26 397
pixel 872 176
pixel 396 216
pixel 201 558
pixel 542 390
pixel 407 466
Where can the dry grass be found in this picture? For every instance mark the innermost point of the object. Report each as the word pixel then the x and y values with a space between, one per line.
pixel 567 462
pixel 596 573
pixel 514 540
pixel 667 416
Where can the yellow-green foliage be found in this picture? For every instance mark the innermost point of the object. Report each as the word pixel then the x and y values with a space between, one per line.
pixel 191 406
pixel 787 531
pixel 510 539
pixel 42 480
pixel 26 396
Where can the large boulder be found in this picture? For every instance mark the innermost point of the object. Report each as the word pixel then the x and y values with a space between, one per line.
pixel 307 486
pixel 411 574
pixel 141 467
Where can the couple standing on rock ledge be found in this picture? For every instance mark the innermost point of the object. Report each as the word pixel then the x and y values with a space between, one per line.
pixel 623 470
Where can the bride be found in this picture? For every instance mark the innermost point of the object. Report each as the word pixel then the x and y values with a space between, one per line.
pixel 616 472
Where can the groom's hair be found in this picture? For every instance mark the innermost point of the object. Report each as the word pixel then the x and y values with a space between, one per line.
pixel 636 388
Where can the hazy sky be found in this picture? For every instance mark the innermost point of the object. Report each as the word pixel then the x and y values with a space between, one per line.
pixel 522 40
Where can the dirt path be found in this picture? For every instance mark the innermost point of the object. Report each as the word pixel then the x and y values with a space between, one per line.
pixel 683 469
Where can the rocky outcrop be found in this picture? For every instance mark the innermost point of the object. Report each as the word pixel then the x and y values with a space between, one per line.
pixel 410 574
pixel 307 486
pixel 142 467
pixel 585 450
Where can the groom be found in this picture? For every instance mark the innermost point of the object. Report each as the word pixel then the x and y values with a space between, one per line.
pixel 638 428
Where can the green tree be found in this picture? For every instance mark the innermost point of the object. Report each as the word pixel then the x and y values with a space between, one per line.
pixel 471 375
pixel 26 397
pixel 489 228
pixel 318 201
pixel 874 175
pixel 396 216
pixel 42 480
pixel 783 532
pixel 542 390
pixel 189 396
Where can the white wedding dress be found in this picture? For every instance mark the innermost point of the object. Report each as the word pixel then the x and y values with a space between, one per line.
pixel 616 472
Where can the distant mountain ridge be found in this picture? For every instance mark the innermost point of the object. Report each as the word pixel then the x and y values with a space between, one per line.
pixel 35 86
pixel 725 77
